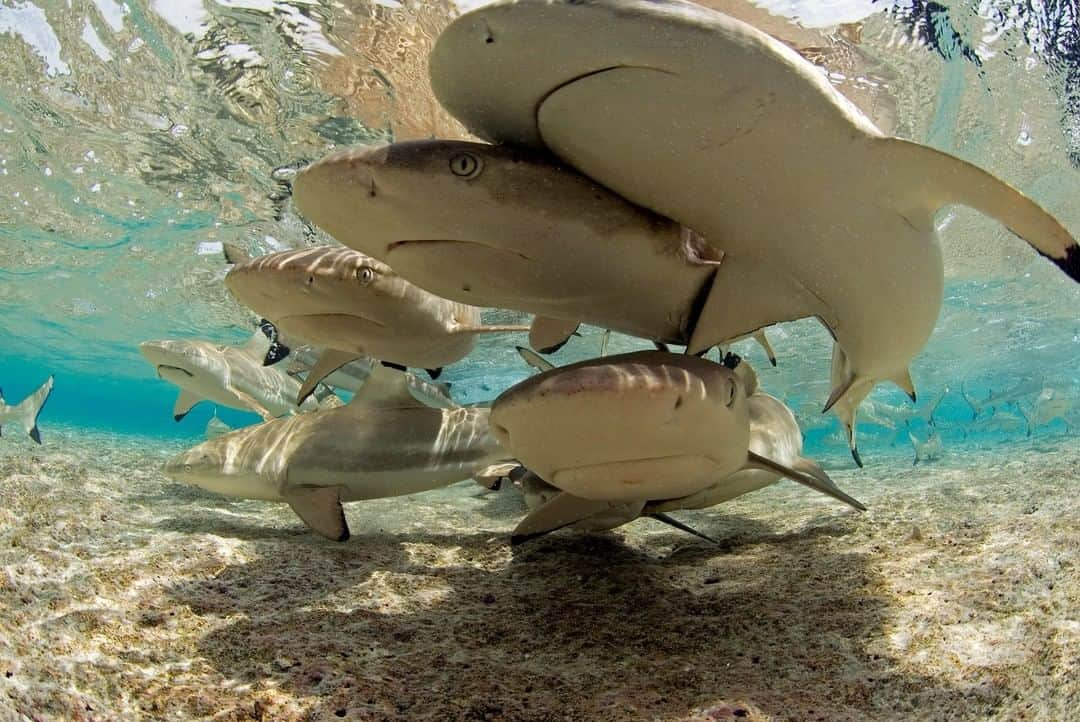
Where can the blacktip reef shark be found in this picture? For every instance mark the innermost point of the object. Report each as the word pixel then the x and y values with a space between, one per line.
pixel 232 376
pixel 774 434
pixel 511 229
pixel 812 211
pixel 382 443
pixel 355 306
pixel 636 427
pixel 354 374
pixel 26 412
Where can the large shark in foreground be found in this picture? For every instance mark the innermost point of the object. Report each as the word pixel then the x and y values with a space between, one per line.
pixel 626 430
pixel 512 229
pixel 813 211
pixel 25 413
pixel 382 443
pixel 232 376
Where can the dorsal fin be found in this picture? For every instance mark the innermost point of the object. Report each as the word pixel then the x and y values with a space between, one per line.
pixel 386 388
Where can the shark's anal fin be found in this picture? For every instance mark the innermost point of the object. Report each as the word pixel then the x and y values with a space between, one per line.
pixel 936 178
pixel 329 362
pixel 184 403
pixel 561 511
pixel 548 335
pixel 806 473
pixel 434 373
pixel 748 295
pixel 534 359
pixel 320 508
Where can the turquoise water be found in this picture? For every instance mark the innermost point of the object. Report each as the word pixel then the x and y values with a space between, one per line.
pixel 136 138
pixel 117 198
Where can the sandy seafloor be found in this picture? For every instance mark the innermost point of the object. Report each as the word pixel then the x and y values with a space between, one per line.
pixel 124 596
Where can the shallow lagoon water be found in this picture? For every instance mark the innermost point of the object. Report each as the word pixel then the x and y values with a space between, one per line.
pixel 131 150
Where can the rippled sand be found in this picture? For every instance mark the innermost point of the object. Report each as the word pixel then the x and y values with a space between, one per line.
pixel 127 597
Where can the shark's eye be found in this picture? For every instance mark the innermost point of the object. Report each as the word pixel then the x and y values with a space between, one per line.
pixel 187 468
pixel 466 165
pixel 365 275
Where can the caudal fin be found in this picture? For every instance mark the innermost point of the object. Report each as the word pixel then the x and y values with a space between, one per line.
pixel 939 179
pixel 27 411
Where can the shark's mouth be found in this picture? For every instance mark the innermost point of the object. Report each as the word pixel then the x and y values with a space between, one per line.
pixel 398 245
pixel 167 367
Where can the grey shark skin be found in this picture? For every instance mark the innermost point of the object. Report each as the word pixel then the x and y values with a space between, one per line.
pixel 355 305
pixel 232 376
pixel 636 427
pixel 25 413
pixel 711 122
pixel 354 374
pixel 382 443
pixel 512 229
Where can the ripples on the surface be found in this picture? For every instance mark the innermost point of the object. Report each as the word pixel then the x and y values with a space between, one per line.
pixel 137 137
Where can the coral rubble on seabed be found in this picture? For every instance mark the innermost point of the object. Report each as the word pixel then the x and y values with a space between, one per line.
pixel 127 597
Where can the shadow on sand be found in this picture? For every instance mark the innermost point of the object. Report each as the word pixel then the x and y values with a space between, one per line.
pixel 419 626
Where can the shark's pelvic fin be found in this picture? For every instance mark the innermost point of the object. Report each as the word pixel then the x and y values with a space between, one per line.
pixel 763 341
pixel 559 512
pixel 320 508
pixel 903 380
pixel 491 477
pixel 329 361
pixel 184 402
pixel 807 473
pixel 534 359
pixel 548 335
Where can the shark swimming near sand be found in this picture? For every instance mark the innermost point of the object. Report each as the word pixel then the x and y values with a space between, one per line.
pixel 232 376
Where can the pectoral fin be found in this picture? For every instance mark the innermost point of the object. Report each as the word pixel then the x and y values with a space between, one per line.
pixel 184 402
pixel 672 521
pixel 548 335
pixel 804 472
pixel 534 359
pixel 320 508
pixel 562 511
pixel 329 362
